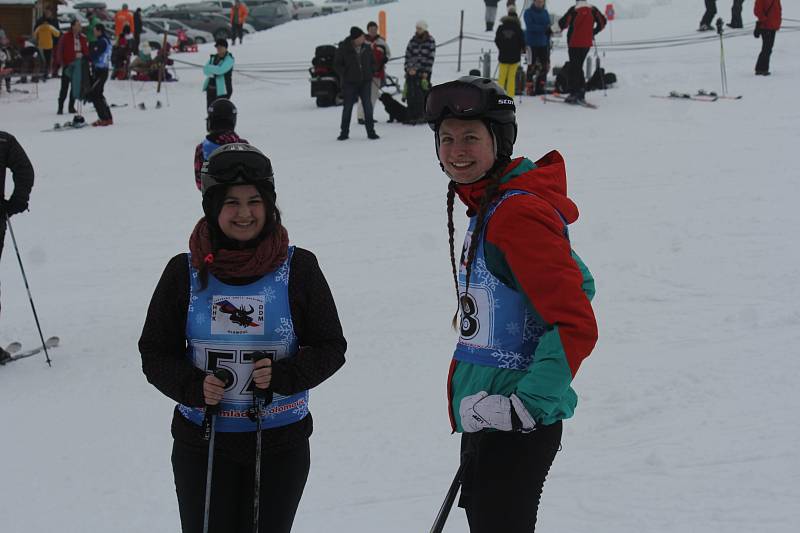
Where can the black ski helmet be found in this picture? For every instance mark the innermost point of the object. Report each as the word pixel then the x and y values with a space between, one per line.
pixel 483 100
pixel 235 164
pixel 221 115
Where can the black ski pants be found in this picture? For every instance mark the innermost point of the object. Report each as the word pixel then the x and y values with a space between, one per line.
pixel 767 41
pixel 283 478
pixel 351 92
pixel 62 95
pixel 540 55
pixel 577 83
pixel 708 16
pixel 98 98
pixel 503 477
pixel 237 30
pixel 736 14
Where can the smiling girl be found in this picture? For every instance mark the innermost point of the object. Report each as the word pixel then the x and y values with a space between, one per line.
pixel 525 320
pixel 241 289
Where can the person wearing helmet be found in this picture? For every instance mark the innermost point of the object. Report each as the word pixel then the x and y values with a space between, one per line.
pixel 525 318
pixel 241 288
pixel 220 125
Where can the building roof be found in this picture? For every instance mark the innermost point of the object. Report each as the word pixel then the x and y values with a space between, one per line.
pixel 18 3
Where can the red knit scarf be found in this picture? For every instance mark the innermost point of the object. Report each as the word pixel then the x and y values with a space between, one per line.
pixel 230 264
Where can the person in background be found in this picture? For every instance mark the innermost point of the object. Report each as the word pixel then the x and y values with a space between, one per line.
pixel 510 43
pixel 490 13
pixel 72 49
pixel 100 53
pixel 137 27
pixel 769 15
pixel 122 19
pixel 221 126
pixel 219 73
pixel 354 63
pixel 45 35
pixel 537 39
pixel 583 21
pixel 420 55
pixel 381 55
pixel 94 20
pixel 13 158
pixel 239 14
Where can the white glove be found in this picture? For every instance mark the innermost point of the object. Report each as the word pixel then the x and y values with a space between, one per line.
pixel 482 411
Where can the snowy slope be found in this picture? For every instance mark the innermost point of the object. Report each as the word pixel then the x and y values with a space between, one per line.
pixel 685 421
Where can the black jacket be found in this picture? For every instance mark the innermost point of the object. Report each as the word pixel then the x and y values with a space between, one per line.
pixel 510 40
pixel 354 66
pixel 164 361
pixel 13 157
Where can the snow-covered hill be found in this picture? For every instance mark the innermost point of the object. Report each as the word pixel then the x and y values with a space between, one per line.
pixel 688 222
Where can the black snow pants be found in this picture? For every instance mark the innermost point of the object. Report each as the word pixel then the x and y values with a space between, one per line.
pixel 708 16
pixel 283 478
pixel 503 477
pixel 577 83
pixel 736 14
pixel 98 97
pixel 767 41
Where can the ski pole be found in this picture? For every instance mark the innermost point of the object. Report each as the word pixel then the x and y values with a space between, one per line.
pixel 210 428
pixel 261 398
pixel 444 511
pixel 27 288
pixel 722 71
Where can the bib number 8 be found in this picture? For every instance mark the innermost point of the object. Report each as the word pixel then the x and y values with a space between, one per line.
pixel 470 325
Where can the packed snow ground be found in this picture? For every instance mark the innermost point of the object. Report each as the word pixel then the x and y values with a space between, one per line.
pixel 688 222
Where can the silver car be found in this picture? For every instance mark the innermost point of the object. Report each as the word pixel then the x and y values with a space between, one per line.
pixel 160 25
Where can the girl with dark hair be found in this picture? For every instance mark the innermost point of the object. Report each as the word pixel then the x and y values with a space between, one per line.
pixel 242 289
pixel 100 53
pixel 525 319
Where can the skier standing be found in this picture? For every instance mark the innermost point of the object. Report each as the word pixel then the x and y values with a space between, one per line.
pixel 708 16
pixel 13 158
pixel 220 125
pixel 510 43
pixel 526 321
pixel 537 39
pixel 584 22
pixel 219 73
pixel 72 48
pixel 769 15
pixel 420 55
pixel 100 53
pixel 242 288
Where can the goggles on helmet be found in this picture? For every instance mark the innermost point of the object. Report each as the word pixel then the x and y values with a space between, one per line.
pixel 236 163
pixel 462 100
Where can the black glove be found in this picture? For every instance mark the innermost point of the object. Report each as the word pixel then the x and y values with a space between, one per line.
pixel 12 206
pixel 757 31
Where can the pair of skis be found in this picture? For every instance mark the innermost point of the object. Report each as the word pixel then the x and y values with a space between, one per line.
pixel 700 96
pixel 67 126
pixel 15 349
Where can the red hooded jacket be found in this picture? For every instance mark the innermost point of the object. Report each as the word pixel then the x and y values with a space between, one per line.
pixel 584 22
pixel 768 13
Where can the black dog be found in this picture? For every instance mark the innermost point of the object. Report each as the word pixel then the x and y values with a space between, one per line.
pixel 396 111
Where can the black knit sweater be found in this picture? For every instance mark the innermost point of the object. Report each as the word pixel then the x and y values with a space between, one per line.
pixel 164 360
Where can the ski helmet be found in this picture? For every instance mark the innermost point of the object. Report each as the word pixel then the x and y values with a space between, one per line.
pixel 221 115
pixel 474 98
pixel 235 164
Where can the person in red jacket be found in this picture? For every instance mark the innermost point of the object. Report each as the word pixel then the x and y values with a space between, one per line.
pixel 584 22
pixel 239 14
pixel 72 48
pixel 768 13
pixel 123 18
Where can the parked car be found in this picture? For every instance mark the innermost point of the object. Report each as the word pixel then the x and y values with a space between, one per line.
pixel 265 14
pixel 337 6
pixel 302 9
pixel 217 25
pixel 159 25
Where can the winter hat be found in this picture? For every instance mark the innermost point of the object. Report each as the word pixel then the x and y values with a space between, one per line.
pixel 356 32
pixel 422 25
pixel 512 10
pixel 221 42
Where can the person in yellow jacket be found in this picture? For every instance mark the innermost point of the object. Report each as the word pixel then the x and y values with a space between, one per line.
pixel 44 34
pixel 239 14
pixel 121 19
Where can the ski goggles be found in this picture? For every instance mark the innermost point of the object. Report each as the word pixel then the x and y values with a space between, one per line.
pixel 236 163
pixel 461 100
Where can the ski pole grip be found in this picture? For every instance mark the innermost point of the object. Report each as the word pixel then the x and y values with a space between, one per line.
pixel 224 376
pixel 258 392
